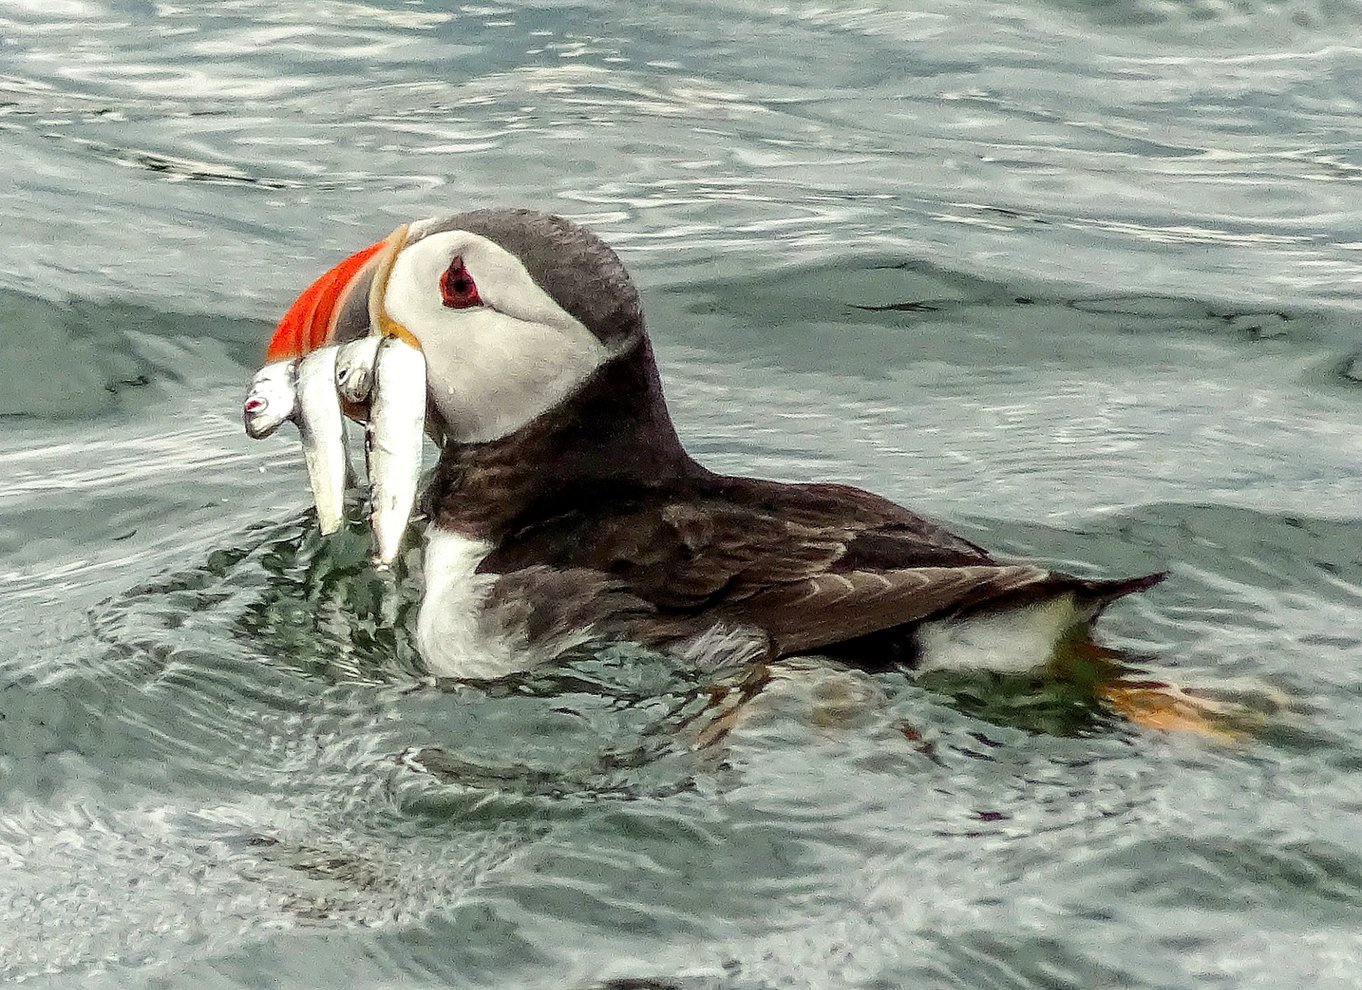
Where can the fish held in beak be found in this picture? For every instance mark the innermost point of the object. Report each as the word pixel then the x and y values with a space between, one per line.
pixel 303 391
pixel 397 413
pixel 379 378
pixel 393 441
pixel 322 428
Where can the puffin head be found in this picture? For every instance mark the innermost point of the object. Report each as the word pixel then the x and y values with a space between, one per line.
pixel 513 310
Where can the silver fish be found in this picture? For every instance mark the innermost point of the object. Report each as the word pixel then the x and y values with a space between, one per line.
pixel 271 400
pixel 393 440
pixel 322 428
pixel 355 368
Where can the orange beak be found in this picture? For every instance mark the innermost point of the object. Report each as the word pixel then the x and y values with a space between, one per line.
pixel 311 320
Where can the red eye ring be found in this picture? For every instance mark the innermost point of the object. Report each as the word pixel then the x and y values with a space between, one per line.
pixel 457 287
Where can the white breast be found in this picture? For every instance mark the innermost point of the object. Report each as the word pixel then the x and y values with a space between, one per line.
pixel 455 632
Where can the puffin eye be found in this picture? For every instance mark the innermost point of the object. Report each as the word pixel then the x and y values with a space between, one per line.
pixel 457 287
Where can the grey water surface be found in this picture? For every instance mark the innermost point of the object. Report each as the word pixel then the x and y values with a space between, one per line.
pixel 1079 277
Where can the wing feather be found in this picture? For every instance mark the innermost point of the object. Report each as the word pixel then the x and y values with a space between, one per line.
pixel 813 565
pixel 828 608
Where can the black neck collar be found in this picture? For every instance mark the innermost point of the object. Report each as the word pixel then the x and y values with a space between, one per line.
pixel 612 436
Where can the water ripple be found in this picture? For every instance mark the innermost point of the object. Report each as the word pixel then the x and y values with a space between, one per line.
pixel 1079 278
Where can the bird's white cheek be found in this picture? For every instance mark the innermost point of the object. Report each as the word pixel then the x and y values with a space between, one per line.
pixel 490 374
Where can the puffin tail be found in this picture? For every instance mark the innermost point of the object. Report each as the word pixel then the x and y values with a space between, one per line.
pixel 1096 595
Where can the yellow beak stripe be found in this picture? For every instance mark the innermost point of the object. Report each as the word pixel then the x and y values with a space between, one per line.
pixel 380 322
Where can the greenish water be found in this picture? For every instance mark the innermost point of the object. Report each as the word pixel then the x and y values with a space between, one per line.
pixel 1080 279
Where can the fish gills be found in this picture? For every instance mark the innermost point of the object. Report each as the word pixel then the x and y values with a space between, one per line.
pixel 355 369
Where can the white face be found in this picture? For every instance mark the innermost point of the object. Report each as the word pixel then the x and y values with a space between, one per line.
pixel 495 365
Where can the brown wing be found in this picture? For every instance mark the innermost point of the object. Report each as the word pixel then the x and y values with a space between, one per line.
pixel 742 540
pixel 829 608
pixel 812 565
pixel 877 534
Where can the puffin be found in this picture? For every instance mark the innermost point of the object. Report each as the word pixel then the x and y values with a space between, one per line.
pixel 564 511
